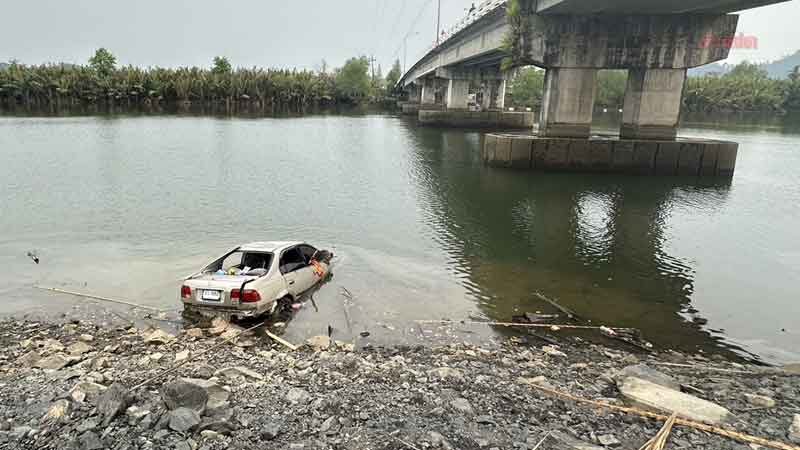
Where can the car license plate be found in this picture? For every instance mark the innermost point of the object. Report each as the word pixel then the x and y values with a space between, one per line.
pixel 213 296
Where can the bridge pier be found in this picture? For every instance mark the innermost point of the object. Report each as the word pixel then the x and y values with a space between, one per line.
pixel 568 102
pixel 652 104
pixel 457 94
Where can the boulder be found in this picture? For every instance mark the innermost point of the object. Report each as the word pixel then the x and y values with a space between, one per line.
pixel 232 372
pixel 183 394
pixel 86 337
pixel 794 429
pixel 194 332
pixel 113 402
pixel 183 419
pixel 652 396
pixel 646 373
pixel 182 356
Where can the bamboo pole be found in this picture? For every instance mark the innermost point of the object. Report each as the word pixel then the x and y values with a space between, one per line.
pixel 526 325
pixel 97 297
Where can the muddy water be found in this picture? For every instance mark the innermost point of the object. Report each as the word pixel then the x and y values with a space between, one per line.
pixel 125 206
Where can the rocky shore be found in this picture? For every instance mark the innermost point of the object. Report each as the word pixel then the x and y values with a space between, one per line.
pixel 76 386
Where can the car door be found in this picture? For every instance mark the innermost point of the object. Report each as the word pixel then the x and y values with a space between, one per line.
pixel 295 271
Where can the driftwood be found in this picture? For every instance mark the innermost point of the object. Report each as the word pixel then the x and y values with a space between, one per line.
pixel 553 327
pixel 660 439
pixel 569 313
pixel 741 437
pixel 97 297
pixel 280 340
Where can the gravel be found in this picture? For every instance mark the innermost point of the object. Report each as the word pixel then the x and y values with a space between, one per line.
pixel 458 396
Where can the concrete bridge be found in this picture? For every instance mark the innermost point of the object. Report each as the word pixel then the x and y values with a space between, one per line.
pixel 656 41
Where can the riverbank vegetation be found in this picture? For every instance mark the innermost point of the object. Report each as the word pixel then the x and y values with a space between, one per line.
pixel 746 88
pixel 102 82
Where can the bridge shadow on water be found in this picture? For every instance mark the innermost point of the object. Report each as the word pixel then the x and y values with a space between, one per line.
pixel 598 243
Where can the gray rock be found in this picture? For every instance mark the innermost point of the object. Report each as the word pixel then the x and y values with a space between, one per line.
pixel 298 396
pixel 436 439
pixel 113 402
pixel 446 373
pixel 794 429
pixel 239 371
pixel 79 348
pixel 462 405
pixel 183 419
pixel 158 337
pixel 762 401
pixel 564 441
pixel 646 373
pixel 90 441
pixel 58 411
pixel 270 431
pixel 54 362
pixel 329 426
pixel 87 425
pixel 217 396
pixel 19 433
pixel 652 396
pixel 183 445
pixel 319 343
pixel 29 359
pixel 608 440
pixel 486 420
pixel 183 394
pixel 85 390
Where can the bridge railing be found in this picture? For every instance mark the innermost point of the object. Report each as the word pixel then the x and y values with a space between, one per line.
pixel 483 8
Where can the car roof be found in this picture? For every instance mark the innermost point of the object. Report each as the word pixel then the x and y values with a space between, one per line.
pixel 268 246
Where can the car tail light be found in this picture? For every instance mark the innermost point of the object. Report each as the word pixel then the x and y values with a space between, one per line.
pixel 249 296
pixel 186 292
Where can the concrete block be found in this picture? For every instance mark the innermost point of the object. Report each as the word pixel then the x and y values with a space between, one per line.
pixel 489 146
pixel 539 153
pixel 644 157
pixel 667 158
pixel 708 164
pixel 521 152
pixel 623 156
pixel 689 159
pixel 557 156
pixel 726 159
pixel 600 153
pixel 651 396
pixel 502 153
pixel 579 154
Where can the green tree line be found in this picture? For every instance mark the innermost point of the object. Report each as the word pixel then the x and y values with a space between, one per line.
pixel 745 88
pixel 101 81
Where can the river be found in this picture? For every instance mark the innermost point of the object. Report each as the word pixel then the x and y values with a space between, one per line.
pixel 125 205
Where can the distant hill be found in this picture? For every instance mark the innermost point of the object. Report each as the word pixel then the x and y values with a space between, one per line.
pixel 783 67
pixel 779 69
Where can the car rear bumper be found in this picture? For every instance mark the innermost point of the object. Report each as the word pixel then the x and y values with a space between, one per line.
pixel 241 311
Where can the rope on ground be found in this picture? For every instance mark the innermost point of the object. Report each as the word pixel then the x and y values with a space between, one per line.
pixel 97 297
pixel 193 357
pixel 741 437
pixel 526 325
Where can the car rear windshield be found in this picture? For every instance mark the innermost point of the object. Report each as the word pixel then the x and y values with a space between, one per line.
pixel 239 262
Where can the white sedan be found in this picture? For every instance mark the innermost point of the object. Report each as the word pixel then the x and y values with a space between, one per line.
pixel 254 279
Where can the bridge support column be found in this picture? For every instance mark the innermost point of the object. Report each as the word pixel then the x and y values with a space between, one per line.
pixel 428 94
pixel 494 94
pixel 652 103
pixel 568 102
pixel 457 94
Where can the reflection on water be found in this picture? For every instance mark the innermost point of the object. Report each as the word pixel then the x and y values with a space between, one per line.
pixel 125 206
pixel 595 242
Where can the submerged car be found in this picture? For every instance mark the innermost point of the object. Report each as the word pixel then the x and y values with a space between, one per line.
pixel 255 279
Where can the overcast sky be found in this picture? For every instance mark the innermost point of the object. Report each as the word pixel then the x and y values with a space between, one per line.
pixel 271 33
